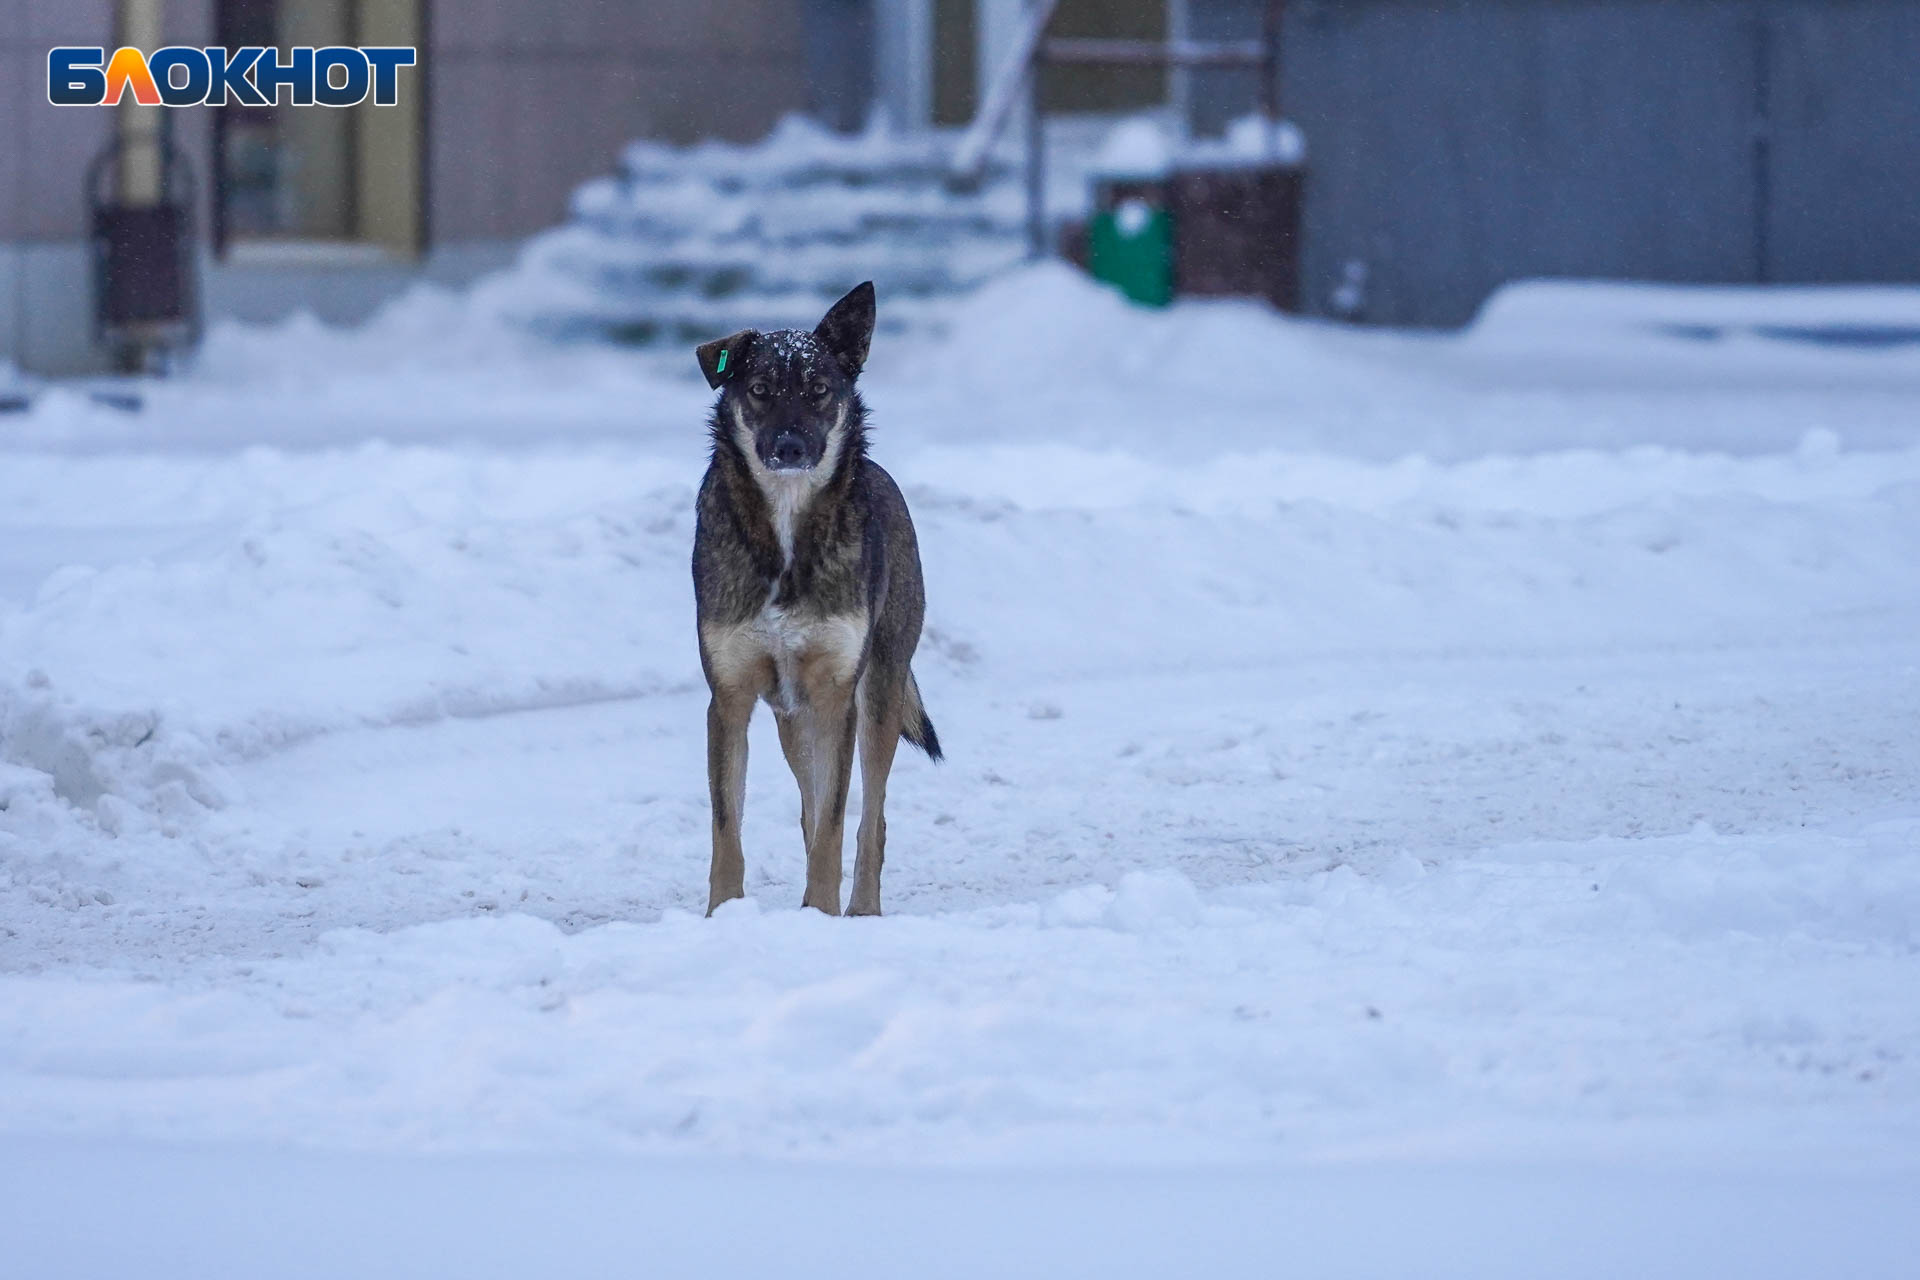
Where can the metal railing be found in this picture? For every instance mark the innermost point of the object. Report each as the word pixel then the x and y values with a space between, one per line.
pixel 1033 50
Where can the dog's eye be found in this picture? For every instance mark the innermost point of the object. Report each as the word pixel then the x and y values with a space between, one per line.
pixel 819 390
pixel 758 391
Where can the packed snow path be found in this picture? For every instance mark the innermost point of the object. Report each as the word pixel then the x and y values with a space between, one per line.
pixel 1550 797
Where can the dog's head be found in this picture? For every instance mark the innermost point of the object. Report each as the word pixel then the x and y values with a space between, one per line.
pixel 787 397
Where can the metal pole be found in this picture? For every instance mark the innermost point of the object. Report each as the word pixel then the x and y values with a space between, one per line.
pixel 1099 51
pixel 1180 78
pixel 1762 148
pixel 1036 165
pixel 137 23
pixel 1270 71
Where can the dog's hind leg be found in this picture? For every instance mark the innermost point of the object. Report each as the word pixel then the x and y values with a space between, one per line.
pixel 727 716
pixel 793 745
pixel 881 714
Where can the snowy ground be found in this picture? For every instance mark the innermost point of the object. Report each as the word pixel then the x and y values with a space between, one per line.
pixel 1432 782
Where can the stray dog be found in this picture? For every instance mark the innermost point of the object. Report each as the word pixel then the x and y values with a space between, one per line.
pixel 806 578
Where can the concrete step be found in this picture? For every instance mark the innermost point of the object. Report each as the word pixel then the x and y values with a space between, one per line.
pixel 691 241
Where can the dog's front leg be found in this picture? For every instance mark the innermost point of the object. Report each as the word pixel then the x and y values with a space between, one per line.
pixel 727 716
pixel 793 744
pixel 830 750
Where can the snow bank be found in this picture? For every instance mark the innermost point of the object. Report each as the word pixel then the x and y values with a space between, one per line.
pixel 1467 1009
pixel 389 587
pixel 1144 147
pixel 1050 328
pixel 384 586
pixel 1046 355
pixel 1596 306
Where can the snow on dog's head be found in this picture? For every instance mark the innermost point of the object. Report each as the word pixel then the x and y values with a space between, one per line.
pixel 787 398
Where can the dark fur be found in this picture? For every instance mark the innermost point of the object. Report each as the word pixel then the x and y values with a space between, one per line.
pixel 853 547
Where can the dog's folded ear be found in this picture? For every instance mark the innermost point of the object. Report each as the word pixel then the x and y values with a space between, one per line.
pixel 719 358
pixel 847 328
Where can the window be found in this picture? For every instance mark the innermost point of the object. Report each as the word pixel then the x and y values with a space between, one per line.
pixel 1107 88
pixel 319 175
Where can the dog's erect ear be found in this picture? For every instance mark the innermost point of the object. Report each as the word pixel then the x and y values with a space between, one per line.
pixel 719 358
pixel 847 329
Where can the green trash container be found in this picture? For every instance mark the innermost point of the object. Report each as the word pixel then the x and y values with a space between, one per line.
pixel 1131 246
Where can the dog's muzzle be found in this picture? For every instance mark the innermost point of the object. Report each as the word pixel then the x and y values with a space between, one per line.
pixel 789 452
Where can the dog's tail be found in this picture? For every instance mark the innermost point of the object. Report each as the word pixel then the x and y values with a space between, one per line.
pixel 916 726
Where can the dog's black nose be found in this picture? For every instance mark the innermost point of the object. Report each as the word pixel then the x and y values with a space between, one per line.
pixel 789 450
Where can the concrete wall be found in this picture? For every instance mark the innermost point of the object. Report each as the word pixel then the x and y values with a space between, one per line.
pixel 1845 98
pixel 342 289
pixel 529 100
pixel 1457 144
pixel 45 309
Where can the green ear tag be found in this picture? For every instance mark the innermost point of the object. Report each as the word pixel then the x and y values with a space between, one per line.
pixel 722 366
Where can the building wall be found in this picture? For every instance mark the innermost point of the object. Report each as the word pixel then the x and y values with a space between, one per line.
pixel 1457 144
pixel 45 303
pixel 1454 147
pixel 525 102
pixel 42 161
pixel 1845 110
pixel 839 38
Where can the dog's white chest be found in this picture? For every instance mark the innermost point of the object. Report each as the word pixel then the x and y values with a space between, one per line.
pixel 786 496
pixel 784 639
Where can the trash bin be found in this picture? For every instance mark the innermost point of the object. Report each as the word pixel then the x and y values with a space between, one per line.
pixel 1225 215
pixel 1130 246
pixel 145 285
pixel 1238 232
